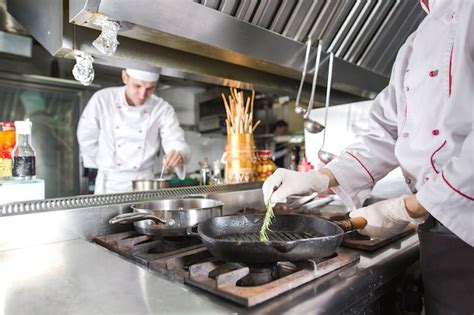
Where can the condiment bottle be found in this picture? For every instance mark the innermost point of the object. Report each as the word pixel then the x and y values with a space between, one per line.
pixel 24 156
pixel 216 178
pixel 305 166
pixel 205 172
pixel 265 165
pixel 7 143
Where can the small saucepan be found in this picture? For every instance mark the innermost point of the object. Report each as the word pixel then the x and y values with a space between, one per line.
pixel 150 184
pixel 170 217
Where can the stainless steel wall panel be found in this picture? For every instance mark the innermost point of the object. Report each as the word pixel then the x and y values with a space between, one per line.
pixel 246 9
pixel 336 22
pixel 355 28
pixel 265 12
pixel 213 4
pixel 282 15
pixel 296 18
pixel 309 20
pixel 323 21
pixel 386 35
pixel 369 28
pixel 228 7
pixel 400 35
pixel 348 24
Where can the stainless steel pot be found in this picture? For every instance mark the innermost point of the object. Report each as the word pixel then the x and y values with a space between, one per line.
pixel 170 217
pixel 150 184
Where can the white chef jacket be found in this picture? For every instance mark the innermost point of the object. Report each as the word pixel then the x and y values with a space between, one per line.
pixel 423 121
pixel 122 141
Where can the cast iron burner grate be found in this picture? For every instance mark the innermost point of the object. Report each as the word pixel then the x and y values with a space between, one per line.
pixel 248 286
pixel 191 263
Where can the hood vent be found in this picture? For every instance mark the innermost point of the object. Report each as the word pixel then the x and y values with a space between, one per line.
pixel 244 43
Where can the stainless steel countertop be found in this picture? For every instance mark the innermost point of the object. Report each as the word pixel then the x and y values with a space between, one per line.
pixel 79 277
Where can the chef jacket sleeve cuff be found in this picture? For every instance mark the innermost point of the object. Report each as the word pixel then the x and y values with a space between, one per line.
pixel 354 183
pixel 180 171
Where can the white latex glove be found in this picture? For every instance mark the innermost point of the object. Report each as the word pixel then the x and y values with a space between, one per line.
pixel 386 218
pixel 293 183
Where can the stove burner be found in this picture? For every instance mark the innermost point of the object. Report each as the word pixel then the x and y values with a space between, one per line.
pixel 258 276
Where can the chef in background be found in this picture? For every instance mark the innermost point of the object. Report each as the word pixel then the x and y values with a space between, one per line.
pixel 121 130
pixel 423 122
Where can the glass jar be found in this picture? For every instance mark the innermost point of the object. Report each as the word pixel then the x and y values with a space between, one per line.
pixel 265 165
pixel 239 159
pixel 23 154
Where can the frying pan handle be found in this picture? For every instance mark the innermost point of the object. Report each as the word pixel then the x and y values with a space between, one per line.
pixel 190 231
pixel 203 196
pixel 134 217
pixel 352 224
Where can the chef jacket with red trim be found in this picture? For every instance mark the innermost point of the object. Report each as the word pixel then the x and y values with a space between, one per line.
pixel 122 141
pixel 423 122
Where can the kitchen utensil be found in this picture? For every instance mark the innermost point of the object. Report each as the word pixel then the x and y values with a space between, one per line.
pixel 169 217
pixel 323 155
pixel 162 170
pixel 298 109
pixel 293 237
pixel 311 125
pixel 150 184
pixel 297 201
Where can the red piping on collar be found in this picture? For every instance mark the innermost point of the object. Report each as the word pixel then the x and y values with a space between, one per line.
pixel 365 168
pixel 433 154
pixel 425 4
pixel 452 187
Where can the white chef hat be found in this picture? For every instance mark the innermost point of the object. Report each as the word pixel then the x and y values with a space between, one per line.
pixel 143 75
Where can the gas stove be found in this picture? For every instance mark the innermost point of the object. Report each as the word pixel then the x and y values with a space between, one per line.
pixel 185 259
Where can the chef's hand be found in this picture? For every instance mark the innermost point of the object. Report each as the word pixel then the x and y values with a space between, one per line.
pixel 172 159
pixel 390 217
pixel 293 183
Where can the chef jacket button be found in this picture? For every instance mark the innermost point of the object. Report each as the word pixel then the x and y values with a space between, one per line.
pixel 408 181
pixel 119 164
pixel 118 145
pixel 134 167
pixel 117 127
pixel 119 107
pixel 139 131
pixel 433 73
pixel 408 70
pixel 139 147
pixel 408 89
pixel 405 134
pixel 449 16
pixel 427 179
pixel 435 132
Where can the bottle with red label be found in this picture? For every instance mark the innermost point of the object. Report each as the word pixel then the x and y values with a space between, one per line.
pixel 7 143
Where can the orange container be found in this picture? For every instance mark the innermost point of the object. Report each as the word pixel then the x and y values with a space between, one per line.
pixel 7 143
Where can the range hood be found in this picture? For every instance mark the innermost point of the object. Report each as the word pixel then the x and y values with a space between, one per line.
pixel 244 43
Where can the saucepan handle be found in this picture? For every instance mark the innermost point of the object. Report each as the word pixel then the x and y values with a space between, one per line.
pixel 202 196
pixel 190 231
pixel 352 224
pixel 134 217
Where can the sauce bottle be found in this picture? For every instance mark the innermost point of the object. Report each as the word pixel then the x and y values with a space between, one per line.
pixel 7 143
pixel 24 156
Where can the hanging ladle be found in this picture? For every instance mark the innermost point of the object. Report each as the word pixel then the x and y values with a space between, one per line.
pixel 323 155
pixel 298 109
pixel 309 125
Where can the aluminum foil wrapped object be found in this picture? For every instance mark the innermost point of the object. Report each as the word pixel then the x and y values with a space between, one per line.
pixel 83 70
pixel 107 41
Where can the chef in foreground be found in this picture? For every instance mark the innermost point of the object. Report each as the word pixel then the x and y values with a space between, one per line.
pixel 121 130
pixel 423 122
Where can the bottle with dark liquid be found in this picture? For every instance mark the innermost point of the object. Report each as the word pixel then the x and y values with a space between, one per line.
pixel 23 154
